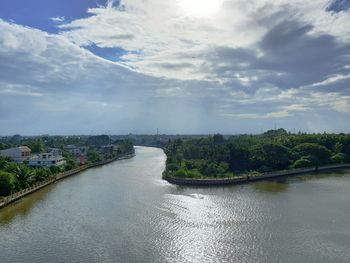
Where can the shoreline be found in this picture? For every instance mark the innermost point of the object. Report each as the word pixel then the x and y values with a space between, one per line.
pixel 247 179
pixel 36 187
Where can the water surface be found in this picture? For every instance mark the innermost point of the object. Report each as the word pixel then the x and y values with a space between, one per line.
pixel 124 212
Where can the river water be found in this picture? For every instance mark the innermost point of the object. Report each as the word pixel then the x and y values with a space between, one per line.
pixel 124 212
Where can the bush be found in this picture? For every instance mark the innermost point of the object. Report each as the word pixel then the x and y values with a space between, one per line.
pixel 302 162
pixel 340 158
pixel 173 167
pixel 6 183
pixel 55 169
pixel 181 173
pixel 194 174
pixel 41 174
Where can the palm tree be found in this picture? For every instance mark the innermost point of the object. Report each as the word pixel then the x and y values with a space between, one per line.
pixel 24 176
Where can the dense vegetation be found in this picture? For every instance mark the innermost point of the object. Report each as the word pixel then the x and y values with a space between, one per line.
pixel 17 176
pixel 217 156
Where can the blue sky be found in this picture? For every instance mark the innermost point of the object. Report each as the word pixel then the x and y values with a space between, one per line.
pixel 183 66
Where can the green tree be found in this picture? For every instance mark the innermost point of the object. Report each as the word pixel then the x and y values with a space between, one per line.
pixel 340 158
pixel 4 161
pixel 41 174
pixel 6 183
pixel 173 167
pixel 316 153
pixel 302 162
pixel 218 138
pixel 93 155
pixel 24 176
pixel 55 169
pixel 36 145
pixel 338 147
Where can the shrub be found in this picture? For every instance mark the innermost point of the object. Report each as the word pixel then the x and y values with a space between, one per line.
pixel 181 173
pixel 6 183
pixel 173 167
pixel 194 173
pixel 340 158
pixel 302 162
pixel 55 169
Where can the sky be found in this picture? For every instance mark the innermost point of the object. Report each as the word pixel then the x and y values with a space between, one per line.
pixel 182 66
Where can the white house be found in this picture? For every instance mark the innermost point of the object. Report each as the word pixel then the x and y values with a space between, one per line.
pixel 47 160
pixel 18 154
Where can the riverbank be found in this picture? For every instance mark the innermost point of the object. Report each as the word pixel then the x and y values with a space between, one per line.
pixel 18 195
pixel 250 178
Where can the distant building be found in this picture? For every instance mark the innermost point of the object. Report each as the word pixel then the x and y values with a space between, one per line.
pixel 108 148
pixel 55 151
pixel 46 160
pixel 73 150
pixel 18 154
pixel 81 160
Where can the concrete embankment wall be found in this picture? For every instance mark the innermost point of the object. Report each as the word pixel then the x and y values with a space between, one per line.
pixel 18 195
pixel 246 178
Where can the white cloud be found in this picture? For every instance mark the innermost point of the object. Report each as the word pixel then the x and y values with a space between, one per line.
pixel 58 19
pixel 249 60
pixel 330 80
pixel 172 43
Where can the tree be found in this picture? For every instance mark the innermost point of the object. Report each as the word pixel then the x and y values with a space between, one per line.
pixel 4 161
pixel 316 153
pixel 276 155
pixel 340 158
pixel 24 176
pixel 70 162
pixel 36 145
pixel 55 169
pixel 338 147
pixel 41 174
pixel 98 140
pixel 93 156
pixel 173 167
pixel 218 138
pixel 6 183
pixel 302 162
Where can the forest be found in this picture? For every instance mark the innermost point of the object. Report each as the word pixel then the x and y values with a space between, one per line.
pixel 221 156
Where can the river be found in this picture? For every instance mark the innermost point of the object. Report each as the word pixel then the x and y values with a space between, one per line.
pixel 125 212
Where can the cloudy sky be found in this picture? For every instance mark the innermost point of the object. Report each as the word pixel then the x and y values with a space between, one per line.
pixel 183 66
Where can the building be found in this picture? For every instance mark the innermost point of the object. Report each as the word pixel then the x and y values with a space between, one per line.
pixel 18 154
pixel 107 148
pixel 81 160
pixel 73 150
pixel 55 151
pixel 46 160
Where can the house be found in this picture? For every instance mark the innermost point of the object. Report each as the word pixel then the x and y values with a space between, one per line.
pixel 73 150
pixel 107 148
pixel 18 154
pixel 81 160
pixel 55 151
pixel 46 160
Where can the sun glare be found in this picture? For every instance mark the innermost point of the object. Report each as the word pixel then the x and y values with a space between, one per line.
pixel 201 8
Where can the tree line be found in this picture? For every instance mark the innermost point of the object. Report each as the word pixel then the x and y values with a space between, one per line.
pixel 222 156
